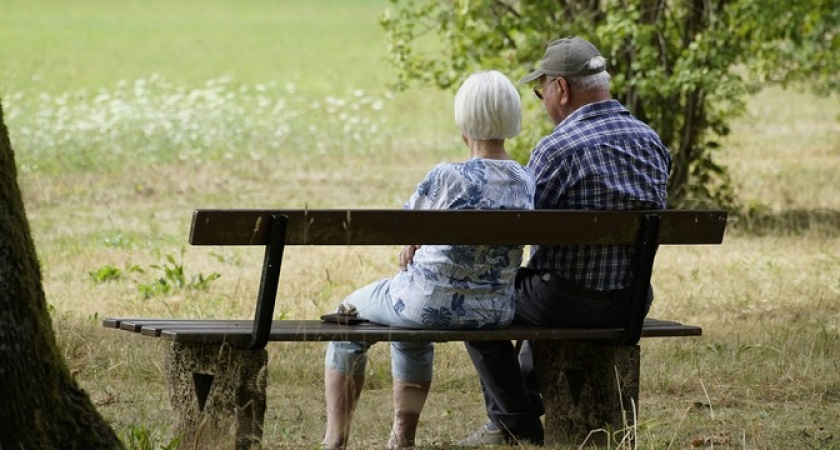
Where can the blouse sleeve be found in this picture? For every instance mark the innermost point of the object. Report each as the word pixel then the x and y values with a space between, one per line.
pixel 427 192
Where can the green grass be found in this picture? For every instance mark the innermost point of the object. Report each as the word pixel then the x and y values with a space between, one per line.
pixel 111 170
pixel 56 46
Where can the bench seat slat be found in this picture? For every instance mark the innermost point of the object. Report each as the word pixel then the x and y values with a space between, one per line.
pixel 238 332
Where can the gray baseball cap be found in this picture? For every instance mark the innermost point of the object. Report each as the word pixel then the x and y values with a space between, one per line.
pixel 568 57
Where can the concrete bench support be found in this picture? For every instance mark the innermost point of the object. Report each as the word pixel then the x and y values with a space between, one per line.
pixel 218 394
pixel 586 387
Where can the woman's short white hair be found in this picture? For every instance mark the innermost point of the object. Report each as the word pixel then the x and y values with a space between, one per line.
pixel 487 107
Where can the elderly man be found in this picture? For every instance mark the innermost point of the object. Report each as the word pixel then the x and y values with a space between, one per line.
pixel 598 157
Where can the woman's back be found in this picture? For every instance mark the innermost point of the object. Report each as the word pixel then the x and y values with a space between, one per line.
pixel 464 286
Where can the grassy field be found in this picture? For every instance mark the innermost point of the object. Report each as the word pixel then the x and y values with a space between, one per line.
pixel 126 116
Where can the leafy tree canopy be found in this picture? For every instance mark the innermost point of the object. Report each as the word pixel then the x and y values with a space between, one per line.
pixel 683 66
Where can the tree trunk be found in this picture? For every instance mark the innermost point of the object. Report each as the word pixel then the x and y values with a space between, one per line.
pixel 694 115
pixel 41 406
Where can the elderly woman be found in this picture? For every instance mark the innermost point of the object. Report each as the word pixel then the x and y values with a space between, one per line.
pixel 440 286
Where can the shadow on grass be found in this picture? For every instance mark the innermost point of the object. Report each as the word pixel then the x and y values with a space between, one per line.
pixel 790 222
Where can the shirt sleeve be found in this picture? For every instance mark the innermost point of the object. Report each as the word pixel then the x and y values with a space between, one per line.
pixel 552 177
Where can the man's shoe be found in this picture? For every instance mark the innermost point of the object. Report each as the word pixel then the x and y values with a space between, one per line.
pixel 483 436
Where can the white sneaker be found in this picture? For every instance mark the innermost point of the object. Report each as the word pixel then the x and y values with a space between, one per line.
pixel 483 437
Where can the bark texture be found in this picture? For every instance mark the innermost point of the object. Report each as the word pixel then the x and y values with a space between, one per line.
pixel 42 407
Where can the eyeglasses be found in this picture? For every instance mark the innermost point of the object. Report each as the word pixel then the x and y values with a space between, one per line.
pixel 538 89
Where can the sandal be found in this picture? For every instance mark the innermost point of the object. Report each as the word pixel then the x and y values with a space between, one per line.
pixel 344 315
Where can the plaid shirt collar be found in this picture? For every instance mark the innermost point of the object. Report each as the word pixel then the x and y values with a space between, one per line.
pixel 593 111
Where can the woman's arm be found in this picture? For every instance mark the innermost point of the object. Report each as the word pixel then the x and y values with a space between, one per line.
pixel 407 255
pixel 424 197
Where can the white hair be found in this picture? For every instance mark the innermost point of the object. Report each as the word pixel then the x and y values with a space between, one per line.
pixel 487 107
pixel 600 80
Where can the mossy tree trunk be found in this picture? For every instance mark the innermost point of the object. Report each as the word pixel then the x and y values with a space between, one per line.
pixel 41 406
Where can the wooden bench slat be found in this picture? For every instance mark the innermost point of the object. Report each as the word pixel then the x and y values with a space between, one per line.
pixel 383 227
pixel 111 322
pixel 238 332
pixel 154 329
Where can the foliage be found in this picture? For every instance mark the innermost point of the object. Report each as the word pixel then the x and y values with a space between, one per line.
pixel 683 67
pixel 138 437
pixel 804 45
pixel 108 273
pixel 173 278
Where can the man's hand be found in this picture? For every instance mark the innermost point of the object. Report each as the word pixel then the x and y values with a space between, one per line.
pixel 407 255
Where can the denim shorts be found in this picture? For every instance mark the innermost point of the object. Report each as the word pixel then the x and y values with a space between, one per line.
pixel 410 360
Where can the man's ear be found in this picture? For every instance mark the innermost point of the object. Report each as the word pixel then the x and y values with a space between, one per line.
pixel 564 94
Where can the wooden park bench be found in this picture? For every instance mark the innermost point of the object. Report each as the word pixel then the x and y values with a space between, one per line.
pixel 216 369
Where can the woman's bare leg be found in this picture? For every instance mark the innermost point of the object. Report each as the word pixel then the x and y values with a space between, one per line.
pixel 409 398
pixel 342 392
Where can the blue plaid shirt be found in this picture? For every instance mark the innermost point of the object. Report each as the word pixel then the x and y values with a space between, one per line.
pixel 600 157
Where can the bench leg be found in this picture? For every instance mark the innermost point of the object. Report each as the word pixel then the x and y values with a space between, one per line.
pixel 218 393
pixel 586 387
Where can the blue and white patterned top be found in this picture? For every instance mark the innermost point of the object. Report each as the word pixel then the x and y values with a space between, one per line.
pixel 600 157
pixel 464 286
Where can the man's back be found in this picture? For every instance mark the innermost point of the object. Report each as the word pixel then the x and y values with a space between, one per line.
pixel 600 157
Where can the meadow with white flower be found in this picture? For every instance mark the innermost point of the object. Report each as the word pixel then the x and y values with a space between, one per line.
pixel 152 121
pixel 124 118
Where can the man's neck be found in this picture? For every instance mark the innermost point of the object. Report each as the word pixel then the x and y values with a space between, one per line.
pixel 591 96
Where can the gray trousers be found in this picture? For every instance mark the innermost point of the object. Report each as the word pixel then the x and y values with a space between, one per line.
pixel 511 394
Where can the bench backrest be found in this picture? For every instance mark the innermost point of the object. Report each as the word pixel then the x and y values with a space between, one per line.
pixel 275 229
pixel 398 227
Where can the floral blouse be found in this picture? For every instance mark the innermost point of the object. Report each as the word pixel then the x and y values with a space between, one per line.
pixel 464 286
